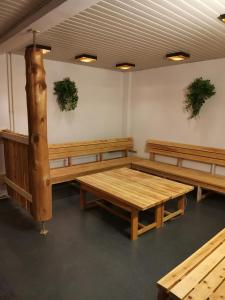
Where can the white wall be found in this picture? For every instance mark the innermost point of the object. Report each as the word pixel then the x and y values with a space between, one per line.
pixel 157 105
pixel 4 108
pixel 144 104
pixel 99 113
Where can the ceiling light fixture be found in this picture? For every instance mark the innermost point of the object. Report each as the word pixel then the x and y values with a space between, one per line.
pixel 125 66
pixel 222 18
pixel 86 58
pixel 178 56
pixel 45 49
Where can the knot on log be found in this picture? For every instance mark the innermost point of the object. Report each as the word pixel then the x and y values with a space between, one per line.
pixel 35 138
pixel 42 85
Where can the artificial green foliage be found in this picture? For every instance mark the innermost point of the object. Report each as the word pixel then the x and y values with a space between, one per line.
pixel 67 94
pixel 197 93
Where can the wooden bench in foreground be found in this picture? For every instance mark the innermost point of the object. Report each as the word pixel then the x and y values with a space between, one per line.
pixel 200 277
pixel 97 149
pixel 133 192
pixel 212 157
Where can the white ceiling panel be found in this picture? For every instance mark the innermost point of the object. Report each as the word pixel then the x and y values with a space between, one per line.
pixel 14 11
pixel 140 32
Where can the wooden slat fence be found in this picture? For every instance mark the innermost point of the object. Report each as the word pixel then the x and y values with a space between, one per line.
pixel 16 148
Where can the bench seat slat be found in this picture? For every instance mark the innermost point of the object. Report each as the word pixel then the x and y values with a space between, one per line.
pixel 176 275
pixel 206 287
pixel 195 177
pixel 219 293
pixel 70 173
pixel 185 286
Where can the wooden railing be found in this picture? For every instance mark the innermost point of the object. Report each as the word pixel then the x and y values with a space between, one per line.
pixel 16 148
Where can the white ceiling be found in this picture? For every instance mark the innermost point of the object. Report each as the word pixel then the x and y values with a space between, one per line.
pixel 13 11
pixel 140 32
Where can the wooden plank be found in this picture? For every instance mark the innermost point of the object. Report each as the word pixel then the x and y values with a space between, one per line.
pixel 172 278
pixel 219 293
pixel 190 157
pixel 184 146
pixel 163 186
pixel 209 284
pixel 89 148
pixel 18 189
pixel 131 190
pixel 13 136
pixel 137 196
pixel 187 283
pixel 196 177
pixel 70 173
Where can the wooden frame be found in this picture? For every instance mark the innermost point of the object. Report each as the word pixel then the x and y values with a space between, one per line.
pixel 137 228
pixel 133 191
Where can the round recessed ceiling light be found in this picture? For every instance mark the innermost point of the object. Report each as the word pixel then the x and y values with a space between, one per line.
pixel 177 56
pixel 86 58
pixel 125 66
pixel 222 18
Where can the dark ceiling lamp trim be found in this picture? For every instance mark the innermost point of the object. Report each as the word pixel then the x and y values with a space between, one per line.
pixel 222 18
pixel 45 49
pixel 177 56
pixel 86 58
pixel 125 66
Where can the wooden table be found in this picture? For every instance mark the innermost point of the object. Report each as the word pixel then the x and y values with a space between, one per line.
pixel 200 277
pixel 134 191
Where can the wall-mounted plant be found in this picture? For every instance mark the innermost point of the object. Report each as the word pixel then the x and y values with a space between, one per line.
pixel 67 94
pixel 197 93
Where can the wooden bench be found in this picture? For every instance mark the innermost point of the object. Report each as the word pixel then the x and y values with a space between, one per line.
pixel 200 277
pixel 97 150
pixel 212 157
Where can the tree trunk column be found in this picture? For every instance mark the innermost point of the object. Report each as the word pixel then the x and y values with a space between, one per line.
pixel 39 176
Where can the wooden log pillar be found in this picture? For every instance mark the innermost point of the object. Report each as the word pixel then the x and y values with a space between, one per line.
pixel 39 173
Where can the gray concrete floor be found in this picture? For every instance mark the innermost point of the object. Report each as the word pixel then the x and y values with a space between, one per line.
pixel 88 255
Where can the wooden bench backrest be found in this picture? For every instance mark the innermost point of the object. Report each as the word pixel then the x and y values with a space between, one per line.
pixel 208 155
pixel 68 150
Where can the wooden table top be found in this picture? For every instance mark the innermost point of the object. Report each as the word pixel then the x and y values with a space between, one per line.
pixel 202 275
pixel 135 188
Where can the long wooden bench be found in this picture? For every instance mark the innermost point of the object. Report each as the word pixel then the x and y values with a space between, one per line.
pixel 199 277
pixel 97 150
pixel 212 157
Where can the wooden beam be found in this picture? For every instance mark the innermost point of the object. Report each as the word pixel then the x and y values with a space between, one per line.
pixel 18 189
pixel 39 176
pixel 16 137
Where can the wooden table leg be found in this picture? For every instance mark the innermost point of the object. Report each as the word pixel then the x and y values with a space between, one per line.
pixel 159 214
pixel 162 295
pixel 134 225
pixel 181 204
pixel 82 198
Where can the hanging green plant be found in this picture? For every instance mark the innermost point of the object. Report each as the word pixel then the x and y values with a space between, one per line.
pixel 197 93
pixel 67 94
